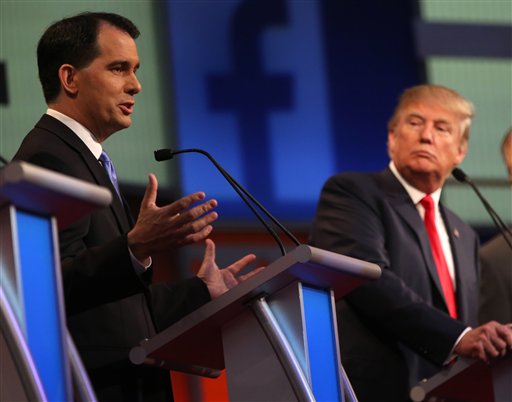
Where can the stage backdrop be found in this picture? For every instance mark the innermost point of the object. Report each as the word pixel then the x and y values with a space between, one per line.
pixel 283 93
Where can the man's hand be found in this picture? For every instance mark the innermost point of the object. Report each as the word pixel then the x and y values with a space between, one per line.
pixel 486 341
pixel 218 280
pixel 174 225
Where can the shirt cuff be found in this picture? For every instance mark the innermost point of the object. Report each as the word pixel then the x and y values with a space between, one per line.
pixel 452 355
pixel 138 266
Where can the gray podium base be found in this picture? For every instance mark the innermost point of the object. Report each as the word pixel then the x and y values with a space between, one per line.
pixel 19 379
pixel 257 331
pixel 254 372
pixel 266 351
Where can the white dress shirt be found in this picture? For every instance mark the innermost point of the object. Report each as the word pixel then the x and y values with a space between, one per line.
pixel 96 149
pixel 416 196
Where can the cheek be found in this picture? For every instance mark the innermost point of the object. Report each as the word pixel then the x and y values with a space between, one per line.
pixel 401 147
pixel 453 155
pixel 391 144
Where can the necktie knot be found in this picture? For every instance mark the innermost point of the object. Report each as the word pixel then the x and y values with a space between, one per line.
pixel 427 203
pixel 104 158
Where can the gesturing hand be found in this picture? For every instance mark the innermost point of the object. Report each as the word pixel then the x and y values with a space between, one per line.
pixel 162 228
pixel 218 280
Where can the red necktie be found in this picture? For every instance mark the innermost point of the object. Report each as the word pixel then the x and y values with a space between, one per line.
pixel 442 267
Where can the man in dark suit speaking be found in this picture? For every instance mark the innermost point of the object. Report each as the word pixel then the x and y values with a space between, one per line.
pixel 421 312
pixel 87 67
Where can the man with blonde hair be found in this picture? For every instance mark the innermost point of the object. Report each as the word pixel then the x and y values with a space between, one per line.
pixel 406 325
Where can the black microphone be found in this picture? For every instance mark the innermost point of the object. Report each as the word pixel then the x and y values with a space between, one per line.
pixel 3 160
pixel 165 154
pixel 504 230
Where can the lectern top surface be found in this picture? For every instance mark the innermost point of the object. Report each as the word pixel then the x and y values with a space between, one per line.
pixel 195 341
pixel 46 192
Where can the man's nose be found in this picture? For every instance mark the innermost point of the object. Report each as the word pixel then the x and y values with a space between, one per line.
pixel 134 86
pixel 427 133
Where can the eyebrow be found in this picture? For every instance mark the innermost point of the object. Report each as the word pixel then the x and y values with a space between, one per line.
pixel 419 116
pixel 416 115
pixel 123 63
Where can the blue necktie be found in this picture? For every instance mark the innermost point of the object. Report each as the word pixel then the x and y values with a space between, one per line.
pixel 110 170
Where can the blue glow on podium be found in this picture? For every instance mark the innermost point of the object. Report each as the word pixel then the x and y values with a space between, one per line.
pixel 40 300
pixel 322 352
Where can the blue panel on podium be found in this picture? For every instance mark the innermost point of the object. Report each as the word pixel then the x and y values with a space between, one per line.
pixel 41 302
pixel 321 341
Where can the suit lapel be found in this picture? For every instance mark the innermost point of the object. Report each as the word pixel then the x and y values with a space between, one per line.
pixel 101 178
pixel 400 201
pixel 459 252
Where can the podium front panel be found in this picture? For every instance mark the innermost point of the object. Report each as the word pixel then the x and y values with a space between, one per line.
pixel 184 345
pixel 33 201
pixel 224 332
pixel 253 373
pixel 31 284
pixel 43 316
pixel 256 366
pixel 322 342
pixel 19 379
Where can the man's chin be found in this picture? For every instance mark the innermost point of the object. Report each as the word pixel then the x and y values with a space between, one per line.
pixel 424 165
pixel 125 122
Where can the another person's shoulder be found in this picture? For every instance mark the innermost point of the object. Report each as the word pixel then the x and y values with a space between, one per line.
pixel 495 247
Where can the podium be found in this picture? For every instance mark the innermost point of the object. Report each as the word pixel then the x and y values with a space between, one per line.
pixel 275 333
pixel 39 361
pixel 468 380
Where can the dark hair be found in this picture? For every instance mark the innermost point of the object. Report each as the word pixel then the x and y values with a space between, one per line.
pixel 73 41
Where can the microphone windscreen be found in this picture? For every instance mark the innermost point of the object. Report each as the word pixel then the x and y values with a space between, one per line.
pixel 163 154
pixel 459 175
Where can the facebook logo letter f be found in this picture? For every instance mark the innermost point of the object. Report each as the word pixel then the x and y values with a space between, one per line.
pixel 249 92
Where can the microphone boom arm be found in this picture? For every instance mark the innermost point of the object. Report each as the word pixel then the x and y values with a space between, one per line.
pixel 462 177
pixel 164 154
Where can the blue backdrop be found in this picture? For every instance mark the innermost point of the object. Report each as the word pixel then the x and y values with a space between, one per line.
pixel 285 93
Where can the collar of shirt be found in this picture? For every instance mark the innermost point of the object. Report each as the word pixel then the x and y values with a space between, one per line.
pixel 81 132
pixel 95 147
pixel 415 194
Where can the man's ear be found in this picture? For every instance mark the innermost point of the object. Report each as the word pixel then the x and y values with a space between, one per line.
pixel 391 142
pixel 67 77
pixel 462 151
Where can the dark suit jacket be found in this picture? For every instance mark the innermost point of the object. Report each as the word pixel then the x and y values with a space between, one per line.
pixel 109 307
pixel 496 286
pixel 396 330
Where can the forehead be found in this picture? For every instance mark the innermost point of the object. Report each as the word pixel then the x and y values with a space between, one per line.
pixel 431 110
pixel 115 42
